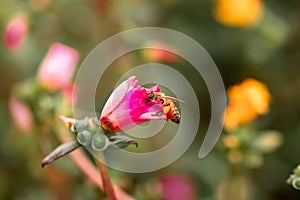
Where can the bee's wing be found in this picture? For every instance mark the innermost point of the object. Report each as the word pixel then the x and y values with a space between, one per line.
pixel 174 99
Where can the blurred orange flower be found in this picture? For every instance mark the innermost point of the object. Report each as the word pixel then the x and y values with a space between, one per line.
pixel 247 100
pixel 238 12
pixel 160 54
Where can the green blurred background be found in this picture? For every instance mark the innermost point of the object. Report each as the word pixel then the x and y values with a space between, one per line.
pixel 268 51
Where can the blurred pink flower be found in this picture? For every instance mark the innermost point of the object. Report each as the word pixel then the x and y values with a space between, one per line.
pixel 162 53
pixel 56 70
pixel 128 106
pixel 15 32
pixel 21 115
pixel 177 187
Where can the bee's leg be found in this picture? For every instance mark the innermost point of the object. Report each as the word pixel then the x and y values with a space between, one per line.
pixel 153 116
pixel 166 109
pixel 158 113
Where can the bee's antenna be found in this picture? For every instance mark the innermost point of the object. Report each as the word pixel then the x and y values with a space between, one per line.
pixel 174 99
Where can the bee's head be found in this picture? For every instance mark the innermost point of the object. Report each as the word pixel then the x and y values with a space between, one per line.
pixel 150 96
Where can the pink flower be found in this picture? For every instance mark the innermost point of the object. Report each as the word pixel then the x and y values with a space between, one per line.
pixel 15 32
pixel 57 67
pixel 177 187
pixel 21 115
pixel 128 106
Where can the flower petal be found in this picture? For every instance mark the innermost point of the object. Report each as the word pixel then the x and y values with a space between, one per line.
pixel 154 88
pixel 118 95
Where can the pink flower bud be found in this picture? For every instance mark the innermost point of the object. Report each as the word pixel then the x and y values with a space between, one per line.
pixel 21 115
pixel 128 106
pixel 56 69
pixel 177 187
pixel 15 32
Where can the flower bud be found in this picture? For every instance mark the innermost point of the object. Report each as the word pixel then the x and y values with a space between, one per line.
pixel 56 70
pixel 100 142
pixel 128 107
pixel 15 32
pixel 84 137
pixel 21 115
pixel 296 183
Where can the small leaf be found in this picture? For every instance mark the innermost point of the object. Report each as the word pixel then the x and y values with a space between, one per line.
pixel 122 141
pixel 297 170
pixel 60 151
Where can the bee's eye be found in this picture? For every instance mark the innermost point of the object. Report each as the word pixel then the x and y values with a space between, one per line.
pixel 151 96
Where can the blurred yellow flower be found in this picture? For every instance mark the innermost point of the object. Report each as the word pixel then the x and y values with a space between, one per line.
pixel 238 12
pixel 268 141
pixel 246 100
pixel 230 141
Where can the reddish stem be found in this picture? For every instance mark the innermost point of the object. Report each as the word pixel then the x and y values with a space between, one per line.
pixel 88 169
pixel 107 186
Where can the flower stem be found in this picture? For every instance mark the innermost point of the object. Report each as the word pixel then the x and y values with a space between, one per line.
pixel 107 186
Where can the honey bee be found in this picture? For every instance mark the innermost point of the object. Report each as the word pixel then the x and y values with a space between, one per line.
pixel 169 107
